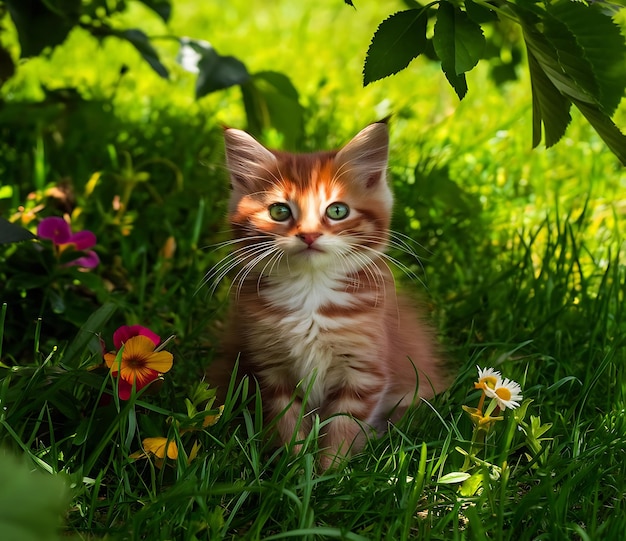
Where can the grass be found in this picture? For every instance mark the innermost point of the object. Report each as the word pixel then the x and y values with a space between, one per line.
pixel 522 266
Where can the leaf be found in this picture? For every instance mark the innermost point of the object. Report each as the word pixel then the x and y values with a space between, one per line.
pixel 562 75
pixel 398 39
pixel 454 477
pixel 39 27
pixel 88 335
pixel 479 13
pixel 472 485
pixel 271 101
pixel 599 46
pixel 215 72
pixel 459 42
pixel 163 8
pixel 606 129
pixel 458 82
pixel 7 66
pixel 141 42
pixel 550 107
pixel 32 503
pixel 10 232
pixel 571 60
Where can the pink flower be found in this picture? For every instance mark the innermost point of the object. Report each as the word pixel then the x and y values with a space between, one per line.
pixel 59 232
pixel 125 332
pixel 54 228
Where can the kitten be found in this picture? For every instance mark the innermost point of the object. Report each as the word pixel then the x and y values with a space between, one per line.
pixel 315 311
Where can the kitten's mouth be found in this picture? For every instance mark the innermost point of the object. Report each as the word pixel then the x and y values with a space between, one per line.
pixel 310 249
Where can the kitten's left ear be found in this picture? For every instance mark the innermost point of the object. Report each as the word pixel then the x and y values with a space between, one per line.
pixel 365 156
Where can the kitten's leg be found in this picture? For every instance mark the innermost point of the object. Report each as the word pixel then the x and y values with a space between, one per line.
pixel 348 430
pixel 286 409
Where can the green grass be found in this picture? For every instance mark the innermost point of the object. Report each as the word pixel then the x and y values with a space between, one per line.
pixel 522 267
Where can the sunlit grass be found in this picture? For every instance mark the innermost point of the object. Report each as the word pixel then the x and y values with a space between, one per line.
pixel 523 268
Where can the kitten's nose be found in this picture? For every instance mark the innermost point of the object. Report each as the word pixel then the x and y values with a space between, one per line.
pixel 308 238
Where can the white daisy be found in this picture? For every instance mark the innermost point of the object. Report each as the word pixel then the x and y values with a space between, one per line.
pixel 507 392
pixel 487 377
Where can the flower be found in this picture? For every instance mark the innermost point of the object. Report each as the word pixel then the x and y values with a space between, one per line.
pixel 508 393
pixel 123 333
pixel 210 420
pixel 137 363
pixel 54 228
pixel 59 232
pixel 487 377
pixel 158 447
pixel 483 422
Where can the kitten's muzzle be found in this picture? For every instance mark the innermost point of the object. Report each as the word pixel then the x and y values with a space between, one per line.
pixel 308 238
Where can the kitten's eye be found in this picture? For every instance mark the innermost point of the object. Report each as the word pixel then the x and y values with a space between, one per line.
pixel 338 211
pixel 279 212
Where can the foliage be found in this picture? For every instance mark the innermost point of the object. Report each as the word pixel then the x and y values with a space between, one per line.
pixel 575 55
pixel 270 98
pixel 520 258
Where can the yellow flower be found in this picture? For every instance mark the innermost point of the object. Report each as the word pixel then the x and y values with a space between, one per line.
pixel 210 420
pixel 158 447
pixel 139 364
pixel 484 422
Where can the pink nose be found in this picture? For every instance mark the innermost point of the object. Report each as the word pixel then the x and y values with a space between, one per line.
pixel 308 238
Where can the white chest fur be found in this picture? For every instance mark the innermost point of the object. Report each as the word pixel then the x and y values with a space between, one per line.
pixel 309 335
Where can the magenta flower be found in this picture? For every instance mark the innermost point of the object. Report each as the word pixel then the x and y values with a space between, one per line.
pixel 54 228
pixel 59 232
pixel 121 335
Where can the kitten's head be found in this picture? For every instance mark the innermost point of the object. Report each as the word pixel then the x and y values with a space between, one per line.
pixel 318 209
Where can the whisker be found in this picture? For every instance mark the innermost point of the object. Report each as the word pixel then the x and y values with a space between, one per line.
pixel 221 269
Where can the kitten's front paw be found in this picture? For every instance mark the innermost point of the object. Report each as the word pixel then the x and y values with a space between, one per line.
pixel 330 461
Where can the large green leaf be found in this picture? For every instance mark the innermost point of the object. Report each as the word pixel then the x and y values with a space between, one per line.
pixel 600 48
pixel 32 503
pixel 561 74
pixel 13 233
pixel 398 40
pixel 141 42
pixel 7 66
pixel 88 336
pixel 42 24
pixel 550 107
pixel 606 129
pixel 215 72
pixel 459 42
pixel 163 8
pixel 271 101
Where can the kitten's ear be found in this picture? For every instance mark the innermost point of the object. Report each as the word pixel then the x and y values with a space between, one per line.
pixel 365 156
pixel 246 158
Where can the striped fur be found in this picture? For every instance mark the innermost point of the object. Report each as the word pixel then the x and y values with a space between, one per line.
pixel 315 306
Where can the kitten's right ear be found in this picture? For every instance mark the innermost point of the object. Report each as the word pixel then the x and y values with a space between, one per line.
pixel 366 154
pixel 246 158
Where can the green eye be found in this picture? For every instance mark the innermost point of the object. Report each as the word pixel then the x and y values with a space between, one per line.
pixel 280 212
pixel 338 211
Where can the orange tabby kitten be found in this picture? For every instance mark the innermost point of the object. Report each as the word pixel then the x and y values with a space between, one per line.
pixel 316 311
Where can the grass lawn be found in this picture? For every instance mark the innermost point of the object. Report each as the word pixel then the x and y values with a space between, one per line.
pixel 521 264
